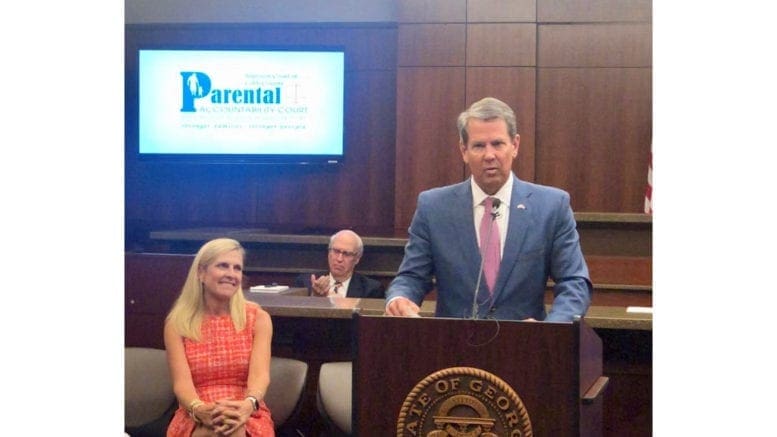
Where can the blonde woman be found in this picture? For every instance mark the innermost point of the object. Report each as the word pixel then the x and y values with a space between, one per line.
pixel 218 349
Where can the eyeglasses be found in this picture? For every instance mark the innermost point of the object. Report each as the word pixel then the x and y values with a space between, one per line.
pixel 344 253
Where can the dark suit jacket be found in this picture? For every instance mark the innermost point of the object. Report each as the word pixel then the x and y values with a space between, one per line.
pixel 360 285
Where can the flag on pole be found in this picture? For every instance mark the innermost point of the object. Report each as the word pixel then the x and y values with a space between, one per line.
pixel 649 188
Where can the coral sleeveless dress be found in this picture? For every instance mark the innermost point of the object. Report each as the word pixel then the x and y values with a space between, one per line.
pixel 219 367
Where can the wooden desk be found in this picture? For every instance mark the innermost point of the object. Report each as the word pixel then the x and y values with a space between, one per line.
pixel 295 304
pixel 302 305
pixel 319 330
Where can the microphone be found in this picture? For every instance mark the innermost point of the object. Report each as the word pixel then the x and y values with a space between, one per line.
pixel 495 208
pixel 495 203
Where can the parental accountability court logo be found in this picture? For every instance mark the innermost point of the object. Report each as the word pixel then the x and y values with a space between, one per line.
pixel 197 85
pixel 463 402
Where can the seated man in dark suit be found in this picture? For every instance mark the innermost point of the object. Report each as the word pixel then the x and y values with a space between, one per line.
pixel 345 251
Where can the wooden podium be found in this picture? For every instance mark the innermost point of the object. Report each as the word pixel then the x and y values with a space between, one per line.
pixel 405 370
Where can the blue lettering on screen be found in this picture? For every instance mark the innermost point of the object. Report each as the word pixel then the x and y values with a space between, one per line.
pixel 197 85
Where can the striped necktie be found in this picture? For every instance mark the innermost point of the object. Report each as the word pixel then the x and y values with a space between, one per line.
pixel 336 288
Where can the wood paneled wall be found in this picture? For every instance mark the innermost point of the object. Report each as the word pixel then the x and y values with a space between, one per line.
pixel 578 75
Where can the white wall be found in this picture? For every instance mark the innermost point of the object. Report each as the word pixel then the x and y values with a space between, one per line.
pixel 258 11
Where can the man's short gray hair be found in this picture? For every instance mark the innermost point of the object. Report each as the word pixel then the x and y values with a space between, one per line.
pixel 485 109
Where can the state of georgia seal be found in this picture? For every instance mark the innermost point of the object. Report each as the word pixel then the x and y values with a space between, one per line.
pixel 463 402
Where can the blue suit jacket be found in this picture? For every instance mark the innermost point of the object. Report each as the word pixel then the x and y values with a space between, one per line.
pixel 542 242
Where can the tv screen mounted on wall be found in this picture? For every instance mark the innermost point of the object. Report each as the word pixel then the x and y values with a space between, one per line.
pixel 241 105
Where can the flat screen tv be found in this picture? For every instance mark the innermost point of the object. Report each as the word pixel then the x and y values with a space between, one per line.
pixel 240 105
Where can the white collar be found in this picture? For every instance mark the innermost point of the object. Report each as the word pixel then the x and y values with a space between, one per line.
pixel 504 194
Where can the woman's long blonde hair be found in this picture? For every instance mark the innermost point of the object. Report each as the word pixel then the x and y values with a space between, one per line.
pixel 187 312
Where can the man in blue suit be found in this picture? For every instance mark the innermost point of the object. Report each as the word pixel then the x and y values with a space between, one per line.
pixel 537 236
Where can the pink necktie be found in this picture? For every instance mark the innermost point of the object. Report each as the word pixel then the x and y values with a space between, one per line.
pixel 490 245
